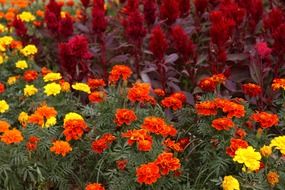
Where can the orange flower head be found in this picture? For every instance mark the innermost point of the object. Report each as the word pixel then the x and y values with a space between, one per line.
pixel 121 164
pixel 278 83
pixel 15 44
pixel 94 186
pixel 219 78
pixel 251 90
pixel 172 102
pixel 173 145
pixel 4 126
pixel 12 136
pixel 32 144
pixel 103 143
pixel 273 178
pixel 222 124
pixel 231 108
pixel 74 129
pixel 125 116
pixel 266 120
pixel 147 173
pixel 46 111
pixel 119 71
pixel 140 136
pixel 240 133
pixel 45 71
pixel 159 92
pixel 179 95
pixel 30 75
pixel 40 13
pixel 139 93
pixel 167 162
pixel 206 108
pixel 235 144
pixel 207 84
pixel 61 147
pixel 95 83
pixel 65 86
pixel 97 96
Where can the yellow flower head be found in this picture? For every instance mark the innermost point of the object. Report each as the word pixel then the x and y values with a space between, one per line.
pixel 279 144
pixel 1 59
pixel 50 122
pixel 230 183
pixel 248 157
pixel 3 28
pixel 23 118
pixel 3 106
pixel 6 40
pixel 266 151
pixel 52 77
pixel 12 80
pixel 29 50
pixel 72 115
pixel 26 16
pixel 30 90
pixel 22 64
pixel 52 89
pixel 81 87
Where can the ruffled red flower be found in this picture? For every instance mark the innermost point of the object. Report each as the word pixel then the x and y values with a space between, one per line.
pixel 234 145
pixel 121 164
pixel 149 8
pixel 251 89
pixel 159 92
pixel 278 83
pixel 94 186
pixel 30 75
pixel 32 143
pixel 266 120
pixel 141 136
pixel 222 124
pixel 74 129
pixel 201 6
pixel 103 143
pixel 147 173
pixel 95 83
pixel 171 102
pixel 262 49
pixel 167 162
pixel 125 116
pixel 119 71
pixel 231 108
pixel 206 108
pixel 99 21
pixel 173 145
pixel 97 96
pixel 140 93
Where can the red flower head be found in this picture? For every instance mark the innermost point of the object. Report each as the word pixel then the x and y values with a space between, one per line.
pixel 125 116
pixel 232 10
pixel 20 28
pixel 184 7
pixel 167 162
pixel 65 26
pixel 148 173
pixel 32 143
pixel 141 136
pixel 149 11
pixel 94 186
pixel 121 164
pixel 235 144
pixel 201 6
pixel 119 71
pixel 74 129
pixel 140 93
pixel 206 108
pixel 95 83
pixel 2 88
pixel 85 3
pixel 30 75
pixel 131 6
pixel 266 120
pixel 103 143
pixel 169 10
pixel 97 96
pixel 222 124
pixel 99 22
pixel 51 21
pixel 158 43
pixel 252 90
pixel 262 49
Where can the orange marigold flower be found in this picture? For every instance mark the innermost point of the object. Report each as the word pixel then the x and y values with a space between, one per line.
pixel 94 186
pixel 12 136
pixel 45 71
pixel 96 97
pixel 15 44
pixel 219 78
pixel 235 144
pixel 266 120
pixel 74 129
pixel 141 136
pixel 4 126
pixel 158 126
pixel 139 92
pixel 32 143
pixel 207 84
pixel 273 178
pixel 167 162
pixel 119 71
pixel 179 95
pixel 121 164
pixel 240 133
pixel 206 108
pixel 103 143
pixel 36 119
pixel 46 111
pixel 30 75
pixel 40 13
pixel 251 89
pixel 231 108
pixel 65 86
pixel 172 102
pixel 95 83
pixel 2 88
pixel 147 173
pixel 222 124
pixel 125 116
pixel 60 147
pixel 159 92
pixel 278 83
pixel 173 145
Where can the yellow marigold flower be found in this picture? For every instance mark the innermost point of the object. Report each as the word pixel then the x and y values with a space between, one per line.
pixel 81 87
pixel 52 89
pixel 23 118
pixel 266 151
pixel 30 90
pixel 27 16
pixel 6 40
pixel 3 106
pixel 50 122
pixel 29 50
pixel 12 80
pixel 72 115
pixel 22 64
pixel 279 144
pixel 230 183
pixel 272 178
pixel 248 157
pixel 52 77
pixel 3 28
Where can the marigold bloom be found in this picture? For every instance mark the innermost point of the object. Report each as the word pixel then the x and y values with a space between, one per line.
pixel 94 186
pixel 52 77
pixel 272 178
pixel 2 88
pixel 32 143
pixel 235 144
pixel 139 93
pixel 248 157
pixel 44 116
pixel 147 173
pixel 4 126
pixel 23 118
pixel 30 75
pixel 230 183
pixel 30 90
pixel 206 108
pixel 81 87
pixel 119 71
pixel 159 92
pixel 251 89
pixel 97 96
pixel 12 136
pixel 124 116
pixel 4 106
pixel 222 124
pixel 266 120
pixel 231 108
pixel 60 147
pixel 158 126
pixel 173 145
pixel 266 151
pixel 74 129
pixel 95 83
pixel 121 164
pixel 22 64
pixel 52 89
pixel 278 143
pixel 103 143
pixel 72 116
pixel 207 84
pixel 50 122
pixel 65 86
pixel 171 102
pixel 167 162
pixel 141 136
pixel 26 16
pixel 29 50
pixel 278 83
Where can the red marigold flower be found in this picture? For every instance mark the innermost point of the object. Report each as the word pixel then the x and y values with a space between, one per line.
pixel 235 144
pixel 12 136
pixel 4 126
pixel 159 92
pixel 251 89
pixel 147 173
pixel 222 124
pixel 60 147
pixel 158 43
pixel 171 102
pixel 119 71
pixel 158 126
pixel 94 186
pixel 173 145
pixel 184 142
pixel 206 108
pixel 179 95
pixel 141 136
pixel 231 108
pixel 167 162
pixel 149 8
pixel 266 120
pixel 240 133
pixel 140 93
pixel 201 6
pixel 97 96
pixel 124 116
pixel 169 10
pixel 95 83
pixel 103 143
pixel 30 75
pixel 45 71
pixel 74 129
pixel 262 49
pixel 121 164
pixel 2 88
pixel 207 84
pixel 278 83
pixel 32 143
